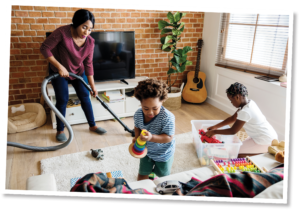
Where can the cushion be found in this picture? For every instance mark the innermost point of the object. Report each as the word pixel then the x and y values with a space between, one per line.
pixel 273 192
pixel 45 182
pixel 22 119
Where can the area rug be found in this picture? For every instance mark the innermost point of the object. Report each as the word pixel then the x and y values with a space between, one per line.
pixel 116 158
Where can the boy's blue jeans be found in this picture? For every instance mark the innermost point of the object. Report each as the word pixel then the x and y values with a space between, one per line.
pixel 61 90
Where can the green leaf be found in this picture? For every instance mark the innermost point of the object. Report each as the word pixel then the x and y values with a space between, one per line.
pixel 188 63
pixel 171 71
pixel 170 17
pixel 162 24
pixel 176 65
pixel 165 30
pixel 183 58
pixel 162 39
pixel 182 29
pixel 176 32
pixel 168 49
pixel 177 58
pixel 173 60
pixel 168 38
pixel 165 46
pixel 182 67
pixel 179 52
pixel 182 14
pixel 177 17
pixel 187 49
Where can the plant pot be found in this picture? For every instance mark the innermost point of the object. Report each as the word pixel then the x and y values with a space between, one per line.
pixel 174 99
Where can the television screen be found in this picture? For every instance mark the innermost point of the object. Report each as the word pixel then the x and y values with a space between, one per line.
pixel 114 55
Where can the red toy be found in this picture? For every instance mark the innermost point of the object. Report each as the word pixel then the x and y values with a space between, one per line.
pixel 204 138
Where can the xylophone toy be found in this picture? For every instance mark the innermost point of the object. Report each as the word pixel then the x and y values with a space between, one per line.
pixel 138 149
pixel 236 165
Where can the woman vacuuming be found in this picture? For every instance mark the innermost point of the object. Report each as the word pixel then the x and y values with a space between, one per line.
pixel 70 49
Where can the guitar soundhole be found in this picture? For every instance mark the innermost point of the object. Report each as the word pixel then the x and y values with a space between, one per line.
pixel 196 80
pixel 200 84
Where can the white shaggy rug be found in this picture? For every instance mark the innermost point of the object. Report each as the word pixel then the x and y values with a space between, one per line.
pixel 116 158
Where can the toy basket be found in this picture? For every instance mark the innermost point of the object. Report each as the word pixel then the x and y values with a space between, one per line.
pixel 216 151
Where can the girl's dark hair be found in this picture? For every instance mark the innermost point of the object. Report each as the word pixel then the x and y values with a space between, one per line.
pixel 151 88
pixel 237 88
pixel 81 16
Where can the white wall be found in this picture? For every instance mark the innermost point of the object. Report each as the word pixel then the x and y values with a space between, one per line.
pixel 270 97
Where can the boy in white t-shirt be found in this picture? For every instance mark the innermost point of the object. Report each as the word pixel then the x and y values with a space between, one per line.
pixel 249 116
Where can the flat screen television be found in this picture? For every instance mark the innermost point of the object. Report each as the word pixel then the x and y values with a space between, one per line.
pixel 114 55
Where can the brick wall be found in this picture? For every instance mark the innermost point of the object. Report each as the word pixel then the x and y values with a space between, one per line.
pixel 29 25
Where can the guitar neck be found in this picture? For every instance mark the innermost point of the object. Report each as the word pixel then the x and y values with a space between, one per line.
pixel 198 63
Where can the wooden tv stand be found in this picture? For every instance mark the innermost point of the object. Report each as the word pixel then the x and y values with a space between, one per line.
pixel 126 108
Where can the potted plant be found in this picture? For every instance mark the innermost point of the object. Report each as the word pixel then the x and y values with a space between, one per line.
pixel 178 63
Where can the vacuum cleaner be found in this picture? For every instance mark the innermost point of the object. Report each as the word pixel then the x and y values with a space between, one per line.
pixel 61 117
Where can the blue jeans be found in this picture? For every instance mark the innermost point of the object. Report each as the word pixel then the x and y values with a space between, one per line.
pixel 61 90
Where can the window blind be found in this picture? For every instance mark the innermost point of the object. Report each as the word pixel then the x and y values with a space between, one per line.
pixel 254 43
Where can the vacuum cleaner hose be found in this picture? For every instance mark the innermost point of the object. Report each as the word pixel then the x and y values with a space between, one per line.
pixel 61 117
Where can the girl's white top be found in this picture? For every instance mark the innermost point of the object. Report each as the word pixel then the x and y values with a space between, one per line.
pixel 256 126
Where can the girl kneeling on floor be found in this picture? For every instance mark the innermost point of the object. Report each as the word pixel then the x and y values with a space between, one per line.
pixel 248 116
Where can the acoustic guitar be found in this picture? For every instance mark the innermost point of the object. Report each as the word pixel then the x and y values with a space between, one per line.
pixel 195 90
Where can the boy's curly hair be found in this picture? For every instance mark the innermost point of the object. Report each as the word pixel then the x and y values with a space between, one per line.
pixel 151 88
pixel 237 88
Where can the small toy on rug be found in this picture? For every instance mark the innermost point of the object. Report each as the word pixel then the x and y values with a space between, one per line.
pixel 279 156
pixel 276 146
pixel 168 187
pixel 98 154
pixel 138 149
pixel 153 176
pixel 204 138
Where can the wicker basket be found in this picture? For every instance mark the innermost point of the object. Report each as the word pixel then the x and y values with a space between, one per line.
pixel 242 135
pixel 174 99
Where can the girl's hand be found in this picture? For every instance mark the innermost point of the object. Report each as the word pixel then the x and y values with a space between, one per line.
pixel 147 137
pixel 63 72
pixel 212 128
pixel 210 133
pixel 95 92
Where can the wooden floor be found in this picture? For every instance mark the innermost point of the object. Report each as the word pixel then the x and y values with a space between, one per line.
pixel 21 164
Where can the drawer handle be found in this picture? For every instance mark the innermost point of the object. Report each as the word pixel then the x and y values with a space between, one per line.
pixel 72 114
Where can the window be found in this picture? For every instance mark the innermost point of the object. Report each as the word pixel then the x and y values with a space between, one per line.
pixel 254 43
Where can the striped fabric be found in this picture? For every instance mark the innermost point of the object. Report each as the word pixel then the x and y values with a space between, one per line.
pixel 114 174
pixel 75 59
pixel 99 183
pixel 163 123
pixel 242 185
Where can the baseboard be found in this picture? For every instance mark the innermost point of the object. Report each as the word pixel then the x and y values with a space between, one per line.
pixel 219 105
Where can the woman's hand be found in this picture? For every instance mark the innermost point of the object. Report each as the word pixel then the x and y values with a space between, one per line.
pixel 210 133
pixel 63 72
pixel 94 93
pixel 147 137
